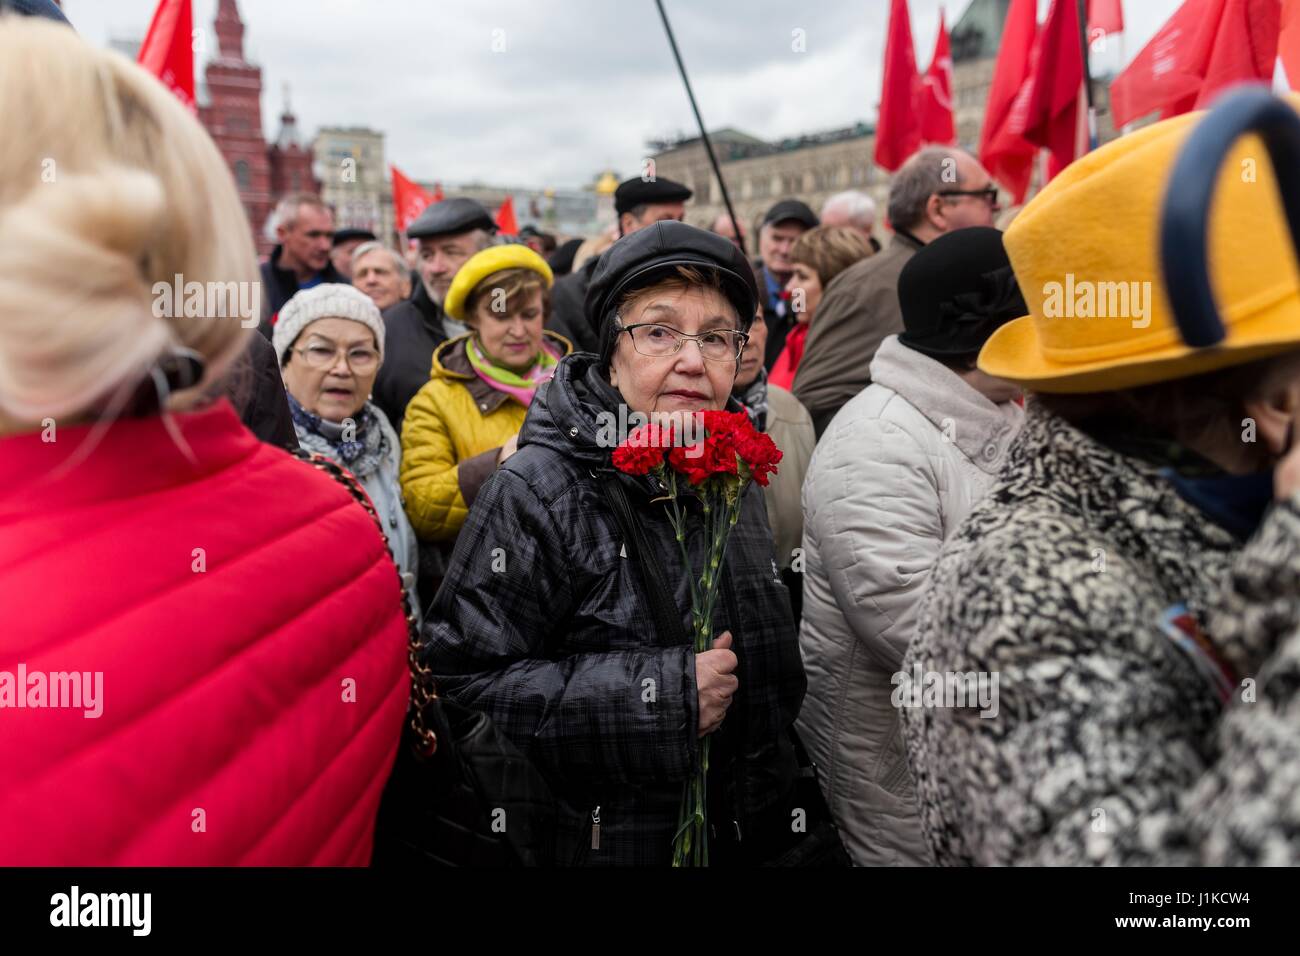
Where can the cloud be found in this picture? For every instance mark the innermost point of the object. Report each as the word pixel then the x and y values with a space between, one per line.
pixel 528 93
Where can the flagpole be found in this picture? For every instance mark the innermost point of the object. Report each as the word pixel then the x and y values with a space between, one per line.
pixel 1087 74
pixel 704 134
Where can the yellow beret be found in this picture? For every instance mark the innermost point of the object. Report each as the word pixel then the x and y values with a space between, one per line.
pixel 489 262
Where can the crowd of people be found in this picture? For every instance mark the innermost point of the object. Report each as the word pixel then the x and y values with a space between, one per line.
pixel 254 537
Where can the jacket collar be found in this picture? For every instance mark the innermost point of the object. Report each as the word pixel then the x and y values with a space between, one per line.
pixel 452 363
pixel 981 430
pixel 130 456
pixel 290 278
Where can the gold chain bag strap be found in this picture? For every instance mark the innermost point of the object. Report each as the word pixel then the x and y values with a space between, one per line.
pixel 437 804
pixel 423 689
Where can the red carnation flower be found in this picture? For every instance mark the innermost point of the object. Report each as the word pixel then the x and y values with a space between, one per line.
pixel 644 449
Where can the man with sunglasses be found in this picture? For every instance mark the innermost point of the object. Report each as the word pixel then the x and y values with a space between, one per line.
pixel 937 191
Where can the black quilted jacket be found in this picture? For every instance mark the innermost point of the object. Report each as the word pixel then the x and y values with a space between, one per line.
pixel 542 623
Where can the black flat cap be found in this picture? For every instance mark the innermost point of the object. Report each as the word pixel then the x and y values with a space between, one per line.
pixel 449 217
pixel 654 253
pixel 641 192
pixel 347 235
pixel 34 8
pixel 792 209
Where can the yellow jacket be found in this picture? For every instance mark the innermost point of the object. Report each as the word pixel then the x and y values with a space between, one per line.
pixel 452 432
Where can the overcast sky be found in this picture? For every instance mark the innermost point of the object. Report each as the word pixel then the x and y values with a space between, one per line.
pixel 536 93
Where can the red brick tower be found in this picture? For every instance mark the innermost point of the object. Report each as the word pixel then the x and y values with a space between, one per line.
pixel 290 162
pixel 233 117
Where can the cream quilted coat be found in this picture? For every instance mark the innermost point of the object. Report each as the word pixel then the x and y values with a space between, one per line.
pixel 897 470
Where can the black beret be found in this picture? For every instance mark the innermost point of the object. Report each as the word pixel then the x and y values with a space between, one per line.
pixel 956 292
pixel 646 192
pixel 655 252
pixel 449 217
pixel 788 209
pixel 347 235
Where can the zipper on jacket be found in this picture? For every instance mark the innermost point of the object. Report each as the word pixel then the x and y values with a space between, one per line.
pixel 595 829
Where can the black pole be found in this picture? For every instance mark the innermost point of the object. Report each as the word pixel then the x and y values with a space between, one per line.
pixel 1087 74
pixel 704 134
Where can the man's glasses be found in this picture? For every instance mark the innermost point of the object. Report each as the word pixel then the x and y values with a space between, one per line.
pixel 988 193
pixel 657 341
pixel 323 356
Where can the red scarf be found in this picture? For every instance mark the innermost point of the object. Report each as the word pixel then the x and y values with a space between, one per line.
pixel 787 363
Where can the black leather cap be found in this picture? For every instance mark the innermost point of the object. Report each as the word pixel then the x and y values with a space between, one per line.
pixel 655 252
pixel 792 209
pixel 648 192
pixel 347 235
pixel 449 217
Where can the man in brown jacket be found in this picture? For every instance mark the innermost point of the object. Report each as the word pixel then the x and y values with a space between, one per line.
pixel 937 190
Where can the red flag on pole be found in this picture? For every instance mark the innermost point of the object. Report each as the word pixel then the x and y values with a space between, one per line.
pixel 937 124
pixel 409 200
pixel 506 220
pixel 1105 16
pixel 1205 47
pixel 898 128
pixel 1056 115
pixel 437 193
pixel 168 49
pixel 1007 155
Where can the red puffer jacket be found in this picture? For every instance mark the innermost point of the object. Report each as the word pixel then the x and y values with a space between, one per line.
pixel 225 641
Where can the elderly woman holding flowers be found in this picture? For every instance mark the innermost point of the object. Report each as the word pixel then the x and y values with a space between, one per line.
pixel 570 614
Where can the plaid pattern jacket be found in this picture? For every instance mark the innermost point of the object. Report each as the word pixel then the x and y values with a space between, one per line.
pixel 542 623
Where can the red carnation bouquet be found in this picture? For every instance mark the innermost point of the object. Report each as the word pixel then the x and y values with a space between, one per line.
pixel 716 470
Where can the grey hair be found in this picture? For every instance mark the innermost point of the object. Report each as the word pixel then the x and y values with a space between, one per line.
pixel 929 171
pixel 286 210
pixel 858 207
pixel 375 245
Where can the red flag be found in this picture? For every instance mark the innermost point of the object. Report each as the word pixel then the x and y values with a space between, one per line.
pixel 1054 118
pixel 437 193
pixel 1007 155
pixel 506 221
pixel 168 49
pixel 1288 44
pixel 1206 46
pixel 409 200
pixel 1105 16
pixel 898 128
pixel 937 124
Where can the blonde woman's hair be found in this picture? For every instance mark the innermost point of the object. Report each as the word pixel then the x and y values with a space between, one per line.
pixel 108 185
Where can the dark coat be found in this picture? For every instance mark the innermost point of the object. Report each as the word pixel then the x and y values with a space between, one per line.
pixel 254 386
pixel 412 331
pixel 568 309
pixel 779 321
pixel 281 285
pixel 543 624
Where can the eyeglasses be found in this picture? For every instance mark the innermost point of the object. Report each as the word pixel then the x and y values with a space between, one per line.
pixel 657 341
pixel 323 356
pixel 988 193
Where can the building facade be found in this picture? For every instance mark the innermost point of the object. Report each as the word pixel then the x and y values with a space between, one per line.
pixel 350 165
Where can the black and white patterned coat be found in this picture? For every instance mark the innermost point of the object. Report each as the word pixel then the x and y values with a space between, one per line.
pixel 1108 746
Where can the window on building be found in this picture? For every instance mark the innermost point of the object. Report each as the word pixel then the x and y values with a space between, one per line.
pixel 242 177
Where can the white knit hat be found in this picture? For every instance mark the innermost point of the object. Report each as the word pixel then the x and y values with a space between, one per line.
pixel 329 300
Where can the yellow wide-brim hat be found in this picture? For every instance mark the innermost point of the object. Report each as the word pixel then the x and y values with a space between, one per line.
pixel 1097 225
pixel 489 262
